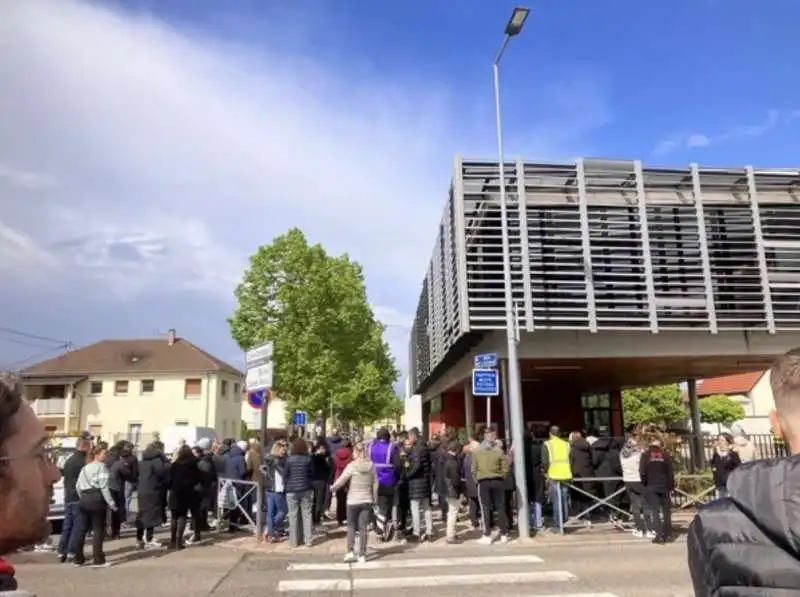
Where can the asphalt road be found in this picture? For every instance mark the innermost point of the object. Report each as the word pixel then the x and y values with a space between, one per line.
pixel 616 569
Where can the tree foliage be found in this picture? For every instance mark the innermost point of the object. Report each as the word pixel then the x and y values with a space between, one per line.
pixel 721 410
pixel 661 405
pixel 329 351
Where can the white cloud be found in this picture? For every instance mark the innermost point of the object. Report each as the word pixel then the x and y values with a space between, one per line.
pixel 772 119
pixel 138 161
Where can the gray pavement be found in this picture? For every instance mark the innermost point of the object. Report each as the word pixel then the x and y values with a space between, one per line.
pixel 617 567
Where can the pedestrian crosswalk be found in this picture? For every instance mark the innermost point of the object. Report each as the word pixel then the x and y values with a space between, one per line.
pixel 523 573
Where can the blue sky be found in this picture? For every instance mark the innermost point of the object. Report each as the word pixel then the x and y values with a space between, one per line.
pixel 153 145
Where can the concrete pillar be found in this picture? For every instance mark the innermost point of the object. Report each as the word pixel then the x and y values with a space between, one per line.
pixel 469 407
pixel 698 454
pixel 69 390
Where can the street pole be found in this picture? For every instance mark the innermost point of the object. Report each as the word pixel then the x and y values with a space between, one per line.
pixel 515 382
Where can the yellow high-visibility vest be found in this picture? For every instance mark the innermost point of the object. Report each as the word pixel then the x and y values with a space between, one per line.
pixel 558 453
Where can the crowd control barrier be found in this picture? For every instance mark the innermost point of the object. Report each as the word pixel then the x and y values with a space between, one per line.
pixel 236 501
pixel 590 495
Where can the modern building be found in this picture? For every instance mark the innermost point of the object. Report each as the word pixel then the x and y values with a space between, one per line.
pixel 134 388
pixel 621 276
pixel 752 390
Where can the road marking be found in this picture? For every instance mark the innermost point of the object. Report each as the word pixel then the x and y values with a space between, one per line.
pixel 388 564
pixel 577 595
pixel 321 584
pixel 330 584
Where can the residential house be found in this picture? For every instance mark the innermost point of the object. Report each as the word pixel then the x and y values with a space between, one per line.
pixel 133 388
pixel 751 390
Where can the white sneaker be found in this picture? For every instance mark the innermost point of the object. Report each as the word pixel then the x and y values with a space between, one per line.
pixel 349 557
pixel 485 540
pixel 650 534
pixel 503 539
pixel 362 559
pixel 153 544
pixel 638 534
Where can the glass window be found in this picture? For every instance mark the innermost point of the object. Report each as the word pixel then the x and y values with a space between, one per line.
pixel 121 387
pixel 96 387
pixel 148 386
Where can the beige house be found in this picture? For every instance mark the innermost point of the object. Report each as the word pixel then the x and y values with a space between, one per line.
pixel 133 388
pixel 751 390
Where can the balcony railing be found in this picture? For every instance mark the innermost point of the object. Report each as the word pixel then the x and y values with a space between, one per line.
pixel 46 407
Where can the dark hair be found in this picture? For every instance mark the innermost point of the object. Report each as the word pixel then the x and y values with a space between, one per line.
pixel 383 434
pixel 184 453
pixel 299 446
pixel 10 403
pixel 453 446
pixel 413 432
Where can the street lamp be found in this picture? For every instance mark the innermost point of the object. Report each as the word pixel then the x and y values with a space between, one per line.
pixel 514 389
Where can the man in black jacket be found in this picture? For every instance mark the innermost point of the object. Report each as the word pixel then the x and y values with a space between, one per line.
pixel 69 530
pixel 749 540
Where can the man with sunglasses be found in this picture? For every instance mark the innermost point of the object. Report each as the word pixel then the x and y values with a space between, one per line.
pixel 28 472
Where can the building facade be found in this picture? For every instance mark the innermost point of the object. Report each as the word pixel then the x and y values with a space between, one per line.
pixel 665 273
pixel 134 388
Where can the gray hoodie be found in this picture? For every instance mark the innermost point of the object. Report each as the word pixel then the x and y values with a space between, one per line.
pixel 363 482
pixel 629 458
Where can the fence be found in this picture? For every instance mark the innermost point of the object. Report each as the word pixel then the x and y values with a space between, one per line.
pixel 764 445
pixel 237 505
pixel 577 502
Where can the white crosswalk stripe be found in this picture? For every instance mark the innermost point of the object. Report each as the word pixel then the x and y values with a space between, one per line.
pixel 460 571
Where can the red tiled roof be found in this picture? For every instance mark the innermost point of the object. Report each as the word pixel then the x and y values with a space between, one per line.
pixel 740 383
pixel 131 356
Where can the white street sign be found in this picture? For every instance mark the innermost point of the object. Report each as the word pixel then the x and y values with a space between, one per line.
pixel 259 378
pixel 259 354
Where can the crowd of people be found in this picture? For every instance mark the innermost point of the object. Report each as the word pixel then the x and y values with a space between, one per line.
pixel 744 540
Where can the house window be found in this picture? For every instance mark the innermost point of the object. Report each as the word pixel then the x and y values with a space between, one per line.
pixel 134 432
pixel 193 388
pixel 96 388
pixel 181 423
pixel 121 387
pixel 148 386
pixel 223 389
pixel 235 389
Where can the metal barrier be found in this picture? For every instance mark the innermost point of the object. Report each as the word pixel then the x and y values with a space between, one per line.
pixel 237 496
pixel 685 500
pixel 599 502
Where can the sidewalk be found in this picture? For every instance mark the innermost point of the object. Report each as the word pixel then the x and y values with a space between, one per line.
pixel 335 542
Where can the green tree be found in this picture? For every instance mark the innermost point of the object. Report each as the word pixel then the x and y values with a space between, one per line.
pixel 662 405
pixel 329 351
pixel 721 410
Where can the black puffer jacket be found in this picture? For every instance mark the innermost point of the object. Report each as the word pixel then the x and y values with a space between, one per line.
pixel 748 544
pixel 418 472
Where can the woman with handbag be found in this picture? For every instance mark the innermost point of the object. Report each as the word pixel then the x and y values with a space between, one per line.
pixel 95 500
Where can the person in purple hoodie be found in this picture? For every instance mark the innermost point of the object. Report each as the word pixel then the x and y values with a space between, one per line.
pixel 385 456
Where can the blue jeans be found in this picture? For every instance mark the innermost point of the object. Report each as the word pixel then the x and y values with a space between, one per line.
pixel 69 528
pixel 276 512
pixel 536 516
pixel 558 497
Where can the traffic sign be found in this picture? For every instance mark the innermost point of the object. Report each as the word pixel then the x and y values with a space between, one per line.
pixel 259 355
pixel 299 418
pixel 258 398
pixel 485 361
pixel 259 378
pixel 485 382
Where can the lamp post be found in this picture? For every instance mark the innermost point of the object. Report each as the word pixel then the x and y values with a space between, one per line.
pixel 514 389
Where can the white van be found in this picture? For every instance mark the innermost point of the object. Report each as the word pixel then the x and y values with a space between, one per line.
pixel 176 435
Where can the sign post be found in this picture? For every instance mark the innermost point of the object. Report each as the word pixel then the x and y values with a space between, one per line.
pixel 258 382
pixel 486 380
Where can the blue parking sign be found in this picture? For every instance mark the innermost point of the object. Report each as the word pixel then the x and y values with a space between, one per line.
pixel 485 382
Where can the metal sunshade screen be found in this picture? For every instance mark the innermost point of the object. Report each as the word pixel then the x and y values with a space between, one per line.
pixel 420 341
pixel 733 253
pixel 558 281
pixel 780 225
pixel 675 254
pixel 484 248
